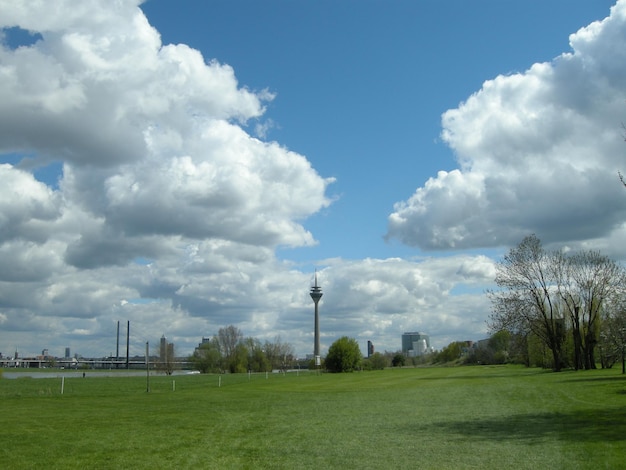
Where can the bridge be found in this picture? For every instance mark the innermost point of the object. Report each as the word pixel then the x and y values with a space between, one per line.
pixel 88 363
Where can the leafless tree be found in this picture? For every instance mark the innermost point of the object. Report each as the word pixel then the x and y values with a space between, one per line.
pixel 598 281
pixel 613 335
pixel 551 293
pixel 279 354
pixel 228 338
pixel 167 359
pixel 526 300
pixel 587 281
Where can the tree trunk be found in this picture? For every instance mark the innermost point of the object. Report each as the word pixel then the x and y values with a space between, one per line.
pixel 590 344
pixel 578 346
pixel 556 358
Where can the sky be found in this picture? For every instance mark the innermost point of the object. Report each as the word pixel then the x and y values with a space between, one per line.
pixel 185 166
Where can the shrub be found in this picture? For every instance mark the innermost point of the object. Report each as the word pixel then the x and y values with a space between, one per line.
pixel 376 361
pixel 398 360
pixel 344 355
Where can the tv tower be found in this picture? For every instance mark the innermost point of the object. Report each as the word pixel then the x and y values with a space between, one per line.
pixel 316 295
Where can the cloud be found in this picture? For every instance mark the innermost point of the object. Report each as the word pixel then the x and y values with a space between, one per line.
pixel 538 152
pixel 161 187
pixel 149 136
pixel 26 206
pixel 200 286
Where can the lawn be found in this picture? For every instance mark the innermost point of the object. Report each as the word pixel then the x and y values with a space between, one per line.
pixel 427 418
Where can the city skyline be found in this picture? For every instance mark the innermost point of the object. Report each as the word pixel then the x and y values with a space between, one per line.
pixel 189 166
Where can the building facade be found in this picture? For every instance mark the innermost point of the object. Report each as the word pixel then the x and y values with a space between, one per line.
pixel 415 344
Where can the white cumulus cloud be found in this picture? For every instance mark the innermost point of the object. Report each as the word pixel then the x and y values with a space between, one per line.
pixel 161 187
pixel 538 152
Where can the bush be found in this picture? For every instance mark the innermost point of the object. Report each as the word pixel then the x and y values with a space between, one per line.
pixel 450 353
pixel 344 355
pixel 398 360
pixel 376 361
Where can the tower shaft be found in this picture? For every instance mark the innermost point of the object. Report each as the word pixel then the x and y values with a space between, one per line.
pixel 316 346
pixel 316 295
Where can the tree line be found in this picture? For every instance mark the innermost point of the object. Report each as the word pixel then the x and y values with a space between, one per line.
pixel 230 351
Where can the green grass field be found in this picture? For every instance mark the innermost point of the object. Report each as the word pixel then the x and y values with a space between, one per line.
pixel 427 418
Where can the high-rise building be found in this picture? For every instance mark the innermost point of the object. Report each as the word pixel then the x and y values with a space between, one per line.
pixel 67 353
pixel 163 348
pixel 415 344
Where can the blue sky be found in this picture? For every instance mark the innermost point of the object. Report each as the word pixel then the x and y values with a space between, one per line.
pixel 188 165
pixel 361 85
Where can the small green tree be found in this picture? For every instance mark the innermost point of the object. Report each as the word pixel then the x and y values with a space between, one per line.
pixel 398 360
pixel 257 358
pixel 344 355
pixel 238 362
pixel 207 357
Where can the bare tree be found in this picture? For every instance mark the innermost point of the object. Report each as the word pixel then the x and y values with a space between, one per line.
pixel 228 338
pixel 279 354
pixel 526 300
pixel 549 293
pixel 598 280
pixel 613 335
pixel 587 282
pixel 562 269
pixel 167 359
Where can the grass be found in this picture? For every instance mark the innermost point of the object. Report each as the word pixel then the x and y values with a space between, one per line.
pixel 429 418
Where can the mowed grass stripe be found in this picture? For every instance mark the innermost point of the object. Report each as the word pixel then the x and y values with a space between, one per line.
pixel 464 417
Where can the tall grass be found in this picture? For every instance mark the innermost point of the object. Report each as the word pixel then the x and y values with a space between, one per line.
pixel 439 418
